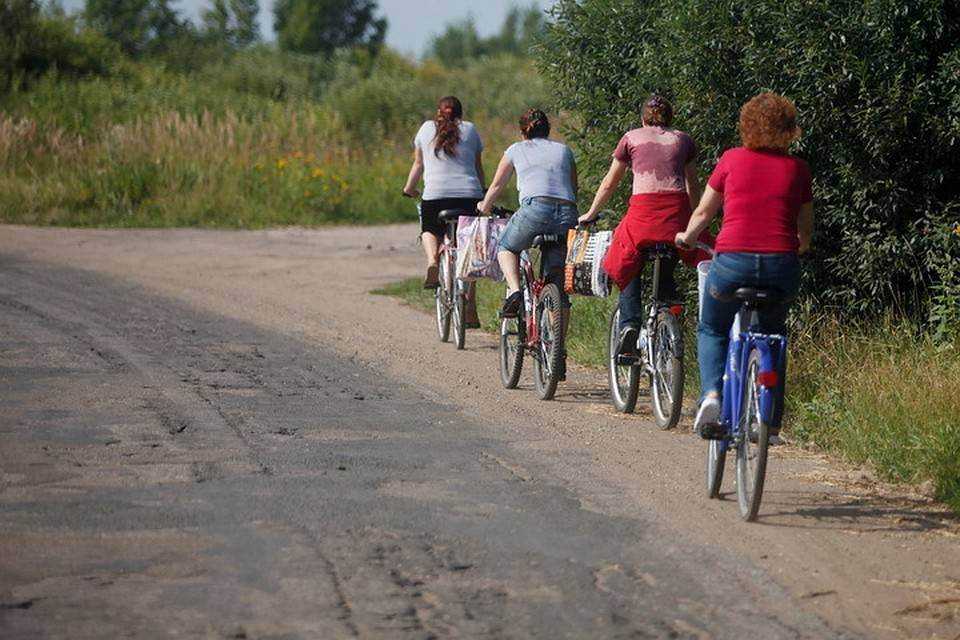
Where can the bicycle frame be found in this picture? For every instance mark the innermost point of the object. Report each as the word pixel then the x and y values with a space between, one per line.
pixel 531 295
pixel 653 310
pixel 773 350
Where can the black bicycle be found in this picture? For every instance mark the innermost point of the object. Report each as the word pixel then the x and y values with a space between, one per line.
pixel 658 353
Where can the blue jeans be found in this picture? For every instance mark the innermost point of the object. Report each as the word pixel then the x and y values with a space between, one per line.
pixel 779 272
pixel 540 216
pixel 631 297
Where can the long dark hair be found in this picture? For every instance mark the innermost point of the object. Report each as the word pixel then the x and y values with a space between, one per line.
pixel 449 113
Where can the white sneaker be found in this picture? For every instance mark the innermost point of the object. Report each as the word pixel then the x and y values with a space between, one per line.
pixel 708 417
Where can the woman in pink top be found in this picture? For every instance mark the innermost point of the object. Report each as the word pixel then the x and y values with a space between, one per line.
pixel 767 221
pixel 663 161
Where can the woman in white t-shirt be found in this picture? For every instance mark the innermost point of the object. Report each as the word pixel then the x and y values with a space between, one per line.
pixel 547 181
pixel 447 155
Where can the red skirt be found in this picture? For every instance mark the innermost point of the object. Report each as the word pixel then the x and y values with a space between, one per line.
pixel 651 219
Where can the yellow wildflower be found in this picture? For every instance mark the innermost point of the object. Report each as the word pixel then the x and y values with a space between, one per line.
pixel 317 173
pixel 281 163
pixel 957 230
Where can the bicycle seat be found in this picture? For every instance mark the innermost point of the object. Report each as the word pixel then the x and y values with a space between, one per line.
pixel 545 239
pixel 451 215
pixel 752 296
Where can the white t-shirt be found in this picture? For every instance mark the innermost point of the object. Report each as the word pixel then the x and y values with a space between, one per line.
pixel 450 176
pixel 543 169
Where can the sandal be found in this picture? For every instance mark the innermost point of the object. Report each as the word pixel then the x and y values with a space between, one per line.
pixel 511 306
pixel 432 280
pixel 471 319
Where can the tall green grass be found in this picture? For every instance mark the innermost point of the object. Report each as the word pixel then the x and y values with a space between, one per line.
pixel 881 395
pixel 262 140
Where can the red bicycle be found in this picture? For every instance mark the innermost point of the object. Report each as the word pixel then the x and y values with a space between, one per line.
pixel 538 329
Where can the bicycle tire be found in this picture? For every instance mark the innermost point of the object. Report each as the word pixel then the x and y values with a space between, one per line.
pixel 442 298
pixel 547 363
pixel 624 396
pixel 750 485
pixel 666 380
pixel 459 325
pixel 511 347
pixel 716 460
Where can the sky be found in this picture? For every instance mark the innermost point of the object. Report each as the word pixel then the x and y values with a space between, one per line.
pixel 412 22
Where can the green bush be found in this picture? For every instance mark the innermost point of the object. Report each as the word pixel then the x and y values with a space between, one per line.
pixel 33 44
pixel 876 84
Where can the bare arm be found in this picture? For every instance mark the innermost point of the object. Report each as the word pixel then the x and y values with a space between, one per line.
pixel 805 226
pixel 693 183
pixel 480 174
pixel 610 183
pixel 700 220
pixel 500 180
pixel 416 172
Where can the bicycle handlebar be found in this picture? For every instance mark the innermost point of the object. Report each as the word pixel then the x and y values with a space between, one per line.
pixel 705 247
pixel 600 216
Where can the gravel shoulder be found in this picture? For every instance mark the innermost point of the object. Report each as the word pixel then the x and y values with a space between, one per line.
pixel 832 544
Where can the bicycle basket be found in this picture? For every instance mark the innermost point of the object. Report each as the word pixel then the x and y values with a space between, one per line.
pixel 583 272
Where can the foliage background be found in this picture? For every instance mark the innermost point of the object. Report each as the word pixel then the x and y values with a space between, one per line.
pixel 877 85
pixel 200 128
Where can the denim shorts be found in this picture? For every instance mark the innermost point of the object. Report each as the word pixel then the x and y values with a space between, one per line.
pixel 539 216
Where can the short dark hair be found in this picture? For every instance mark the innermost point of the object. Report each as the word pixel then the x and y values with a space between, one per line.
pixel 657 111
pixel 534 124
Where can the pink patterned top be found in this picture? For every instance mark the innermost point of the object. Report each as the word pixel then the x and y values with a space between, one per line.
pixel 657 156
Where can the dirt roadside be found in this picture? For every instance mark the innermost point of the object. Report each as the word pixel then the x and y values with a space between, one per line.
pixel 871 559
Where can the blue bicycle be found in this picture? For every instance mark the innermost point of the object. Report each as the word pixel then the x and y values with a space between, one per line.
pixel 756 363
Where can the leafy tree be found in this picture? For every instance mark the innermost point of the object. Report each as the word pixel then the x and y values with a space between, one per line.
pixel 33 42
pixel 232 22
pixel 17 22
pixel 138 26
pixel 877 86
pixel 323 26
pixel 460 41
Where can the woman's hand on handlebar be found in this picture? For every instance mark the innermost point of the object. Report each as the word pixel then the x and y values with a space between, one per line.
pixel 684 241
pixel 588 218
pixel 485 207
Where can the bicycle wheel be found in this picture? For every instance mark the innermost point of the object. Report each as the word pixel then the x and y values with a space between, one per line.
pixel 624 380
pixel 459 304
pixel 442 297
pixel 666 379
pixel 752 442
pixel 513 337
pixel 549 355
pixel 716 460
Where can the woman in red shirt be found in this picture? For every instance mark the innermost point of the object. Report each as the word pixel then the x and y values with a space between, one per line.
pixel 663 161
pixel 767 204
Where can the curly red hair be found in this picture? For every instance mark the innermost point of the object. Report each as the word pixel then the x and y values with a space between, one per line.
pixel 768 121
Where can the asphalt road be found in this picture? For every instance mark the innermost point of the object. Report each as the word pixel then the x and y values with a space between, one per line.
pixel 209 434
pixel 169 473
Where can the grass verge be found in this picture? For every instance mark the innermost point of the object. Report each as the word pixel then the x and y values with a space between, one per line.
pixel 881 395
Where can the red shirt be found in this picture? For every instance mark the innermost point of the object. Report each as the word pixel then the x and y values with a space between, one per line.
pixel 762 195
